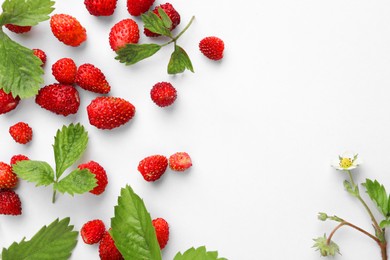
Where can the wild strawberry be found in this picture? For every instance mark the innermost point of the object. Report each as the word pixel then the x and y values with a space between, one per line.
pixel 18 158
pixel 68 29
pixel 8 179
pixel 100 175
pixel 92 231
pixel 138 7
pixel 60 99
pixel 100 7
pixel 212 47
pixel 92 78
pixel 41 55
pixel 171 12
pixel 153 167
pixel 162 231
pixel 163 94
pixel 109 112
pixel 124 32
pixel 7 102
pixel 107 248
pixel 18 28
pixel 64 71
pixel 180 161
pixel 21 132
pixel 10 203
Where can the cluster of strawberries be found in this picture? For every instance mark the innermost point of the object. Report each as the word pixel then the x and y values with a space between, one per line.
pixel 94 232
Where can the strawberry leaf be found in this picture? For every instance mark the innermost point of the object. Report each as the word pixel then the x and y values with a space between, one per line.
pixel 167 22
pixel 69 144
pixel 155 24
pixel 78 181
pixel 132 228
pixel 20 70
pixel 38 172
pixel 179 61
pixel 55 241
pixel 378 195
pixel 198 253
pixel 26 12
pixel 133 53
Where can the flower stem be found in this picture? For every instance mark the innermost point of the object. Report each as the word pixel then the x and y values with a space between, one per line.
pixel 180 34
pixel 346 223
pixel 53 200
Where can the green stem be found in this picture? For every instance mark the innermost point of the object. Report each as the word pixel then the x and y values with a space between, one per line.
pixel 53 200
pixel 180 34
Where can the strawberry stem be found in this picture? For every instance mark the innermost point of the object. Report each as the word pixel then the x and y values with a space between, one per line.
pixel 53 200
pixel 180 34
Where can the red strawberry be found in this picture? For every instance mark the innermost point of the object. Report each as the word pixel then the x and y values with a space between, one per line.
pixel 212 47
pixel 163 94
pixel 59 99
pixel 18 28
pixel 100 7
pixel 67 29
pixel 138 7
pixel 8 179
pixel 162 231
pixel 40 54
pixel 18 158
pixel 64 71
pixel 7 102
pixel 122 33
pixel 180 161
pixel 10 203
pixel 107 248
pixel 92 231
pixel 109 112
pixel 153 167
pixel 171 12
pixel 92 78
pixel 21 132
pixel 100 175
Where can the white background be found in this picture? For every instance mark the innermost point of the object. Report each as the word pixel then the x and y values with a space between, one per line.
pixel 301 82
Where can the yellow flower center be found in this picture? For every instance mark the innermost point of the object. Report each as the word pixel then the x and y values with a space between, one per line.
pixel 345 162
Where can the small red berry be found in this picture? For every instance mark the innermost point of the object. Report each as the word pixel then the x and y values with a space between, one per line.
pixel 7 102
pixel 100 175
pixel 10 203
pixel 153 167
pixel 180 161
pixel 21 132
pixel 67 29
pixel 172 14
pixel 163 94
pixel 124 32
pixel 107 248
pixel 64 71
pixel 92 79
pixel 8 179
pixel 100 7
pixel 41 55
pixel 92 231
pixel 212 47
pixel 138 7
pixel 18 28
pixel 162 231
pixel 18 158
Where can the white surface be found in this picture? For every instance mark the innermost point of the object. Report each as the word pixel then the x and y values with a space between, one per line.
pixel 301 81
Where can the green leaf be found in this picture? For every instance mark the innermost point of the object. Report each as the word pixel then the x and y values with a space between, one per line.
pixel 378 195
pixel 199 253
pixel 165 18
pixel 132 228
pixel 20 70
pixel 26 12
pixel 133 53
pixel 69 144
pixel 155 24
pixel 78 181
pixel 179 61
pixel 53 242
pixel 384 223
pixel 354 191
pixel 38 172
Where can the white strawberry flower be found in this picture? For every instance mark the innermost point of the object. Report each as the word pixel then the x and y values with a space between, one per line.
pixel 346 162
